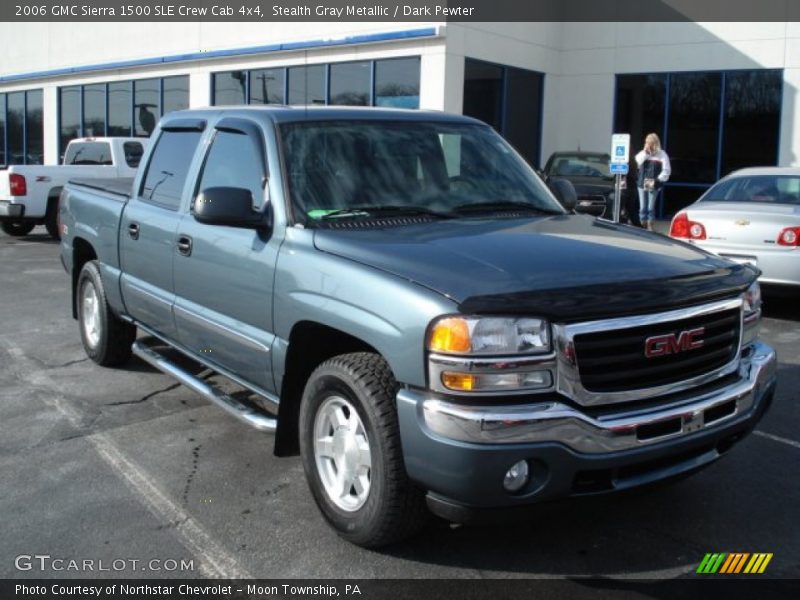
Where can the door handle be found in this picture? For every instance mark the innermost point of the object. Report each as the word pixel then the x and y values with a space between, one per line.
pixel 133 230
pixel 184 245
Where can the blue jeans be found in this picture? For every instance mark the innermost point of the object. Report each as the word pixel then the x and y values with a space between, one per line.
pixel 647 204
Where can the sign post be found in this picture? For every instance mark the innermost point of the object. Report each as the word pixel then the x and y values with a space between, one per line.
pixel 620 151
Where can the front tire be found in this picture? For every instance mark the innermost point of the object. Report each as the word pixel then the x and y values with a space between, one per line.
pixel 17 228
pixel 106 339
pixel 350 446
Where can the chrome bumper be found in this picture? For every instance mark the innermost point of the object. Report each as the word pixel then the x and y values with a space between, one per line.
pixel 559 423
pixel 11 210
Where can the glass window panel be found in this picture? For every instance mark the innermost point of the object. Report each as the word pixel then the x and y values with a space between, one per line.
pixel 483 90
pixel 2 129
pixel 693 131
pixel 69 100
pixel 16 132
pixel 522 123
pixel 267 86
pixel 229 88
pixel 350 83
pixel 94 110
pixel 133 153
pixel 234 162
pixel 176 93
pixel 640 105
pixel 88 153
pixel 307 85
pixel 120 110
pixel 397 82
pixel 34 128
pixel 146 94
pixel 751 120
pixel 168 167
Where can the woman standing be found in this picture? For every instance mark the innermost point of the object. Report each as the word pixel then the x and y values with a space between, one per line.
pixel 654 170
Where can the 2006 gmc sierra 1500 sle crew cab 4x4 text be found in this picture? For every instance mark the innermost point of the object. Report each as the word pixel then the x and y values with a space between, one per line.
pixel 413 311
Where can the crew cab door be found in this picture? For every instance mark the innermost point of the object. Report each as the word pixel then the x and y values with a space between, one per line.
pixel 147 241
pixel 224 275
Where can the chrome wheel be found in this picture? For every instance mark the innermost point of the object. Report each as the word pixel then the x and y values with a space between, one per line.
pixel 342 453
pixel 90 310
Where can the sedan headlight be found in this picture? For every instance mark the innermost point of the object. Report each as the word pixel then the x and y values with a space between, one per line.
pixel 489 335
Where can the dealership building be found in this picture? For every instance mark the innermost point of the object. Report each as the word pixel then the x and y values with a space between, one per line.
pixel 720 95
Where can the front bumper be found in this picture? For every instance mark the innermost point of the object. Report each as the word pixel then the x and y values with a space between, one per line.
pixel 460 452
pixel 11 211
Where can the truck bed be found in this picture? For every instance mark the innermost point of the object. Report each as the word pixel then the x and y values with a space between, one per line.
pixel 118 186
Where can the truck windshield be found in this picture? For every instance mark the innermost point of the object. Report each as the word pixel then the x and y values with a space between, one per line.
pixel 359 169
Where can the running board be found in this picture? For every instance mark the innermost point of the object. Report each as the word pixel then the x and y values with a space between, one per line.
pixel 241 411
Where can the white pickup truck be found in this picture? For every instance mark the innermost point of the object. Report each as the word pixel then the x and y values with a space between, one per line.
pixel 29 193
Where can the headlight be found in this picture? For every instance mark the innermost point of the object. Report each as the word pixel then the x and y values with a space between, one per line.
pixel 752 299
pixel 489 335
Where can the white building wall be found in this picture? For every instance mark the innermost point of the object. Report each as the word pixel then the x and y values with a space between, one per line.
pixel 581 99
pixel 579 61
pixel 41 47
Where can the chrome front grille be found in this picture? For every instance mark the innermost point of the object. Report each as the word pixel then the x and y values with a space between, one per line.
pixel 604 362
pixel 615 361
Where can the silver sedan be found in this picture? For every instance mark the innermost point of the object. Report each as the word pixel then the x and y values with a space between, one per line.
pixel 751 216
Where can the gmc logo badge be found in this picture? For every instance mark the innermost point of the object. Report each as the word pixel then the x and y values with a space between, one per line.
pixel 661 345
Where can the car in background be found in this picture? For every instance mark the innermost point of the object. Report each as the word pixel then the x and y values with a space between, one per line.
pixel 751 216
pixel 594 184
pixel 29 193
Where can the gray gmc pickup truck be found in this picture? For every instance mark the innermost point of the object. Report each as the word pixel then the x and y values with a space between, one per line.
pixel 406 305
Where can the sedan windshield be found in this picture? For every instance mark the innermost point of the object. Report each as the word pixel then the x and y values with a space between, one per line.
pixel 366 169
pixel 767 189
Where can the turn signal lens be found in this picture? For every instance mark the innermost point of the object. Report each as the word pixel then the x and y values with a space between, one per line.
pixel 459 381
pixel 497 382
pixel 450 335
pixel 789 237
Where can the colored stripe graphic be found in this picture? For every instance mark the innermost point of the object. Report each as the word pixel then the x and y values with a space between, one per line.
pixel 734 562
pixel 711 563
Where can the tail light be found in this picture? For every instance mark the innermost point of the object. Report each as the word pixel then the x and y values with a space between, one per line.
pixel 17 185
pixel 789 237
pixel 683 228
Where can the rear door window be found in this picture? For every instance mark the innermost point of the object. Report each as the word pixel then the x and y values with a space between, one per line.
pixel 168 168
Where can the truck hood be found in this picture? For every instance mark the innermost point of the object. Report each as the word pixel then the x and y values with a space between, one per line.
pixel 564 267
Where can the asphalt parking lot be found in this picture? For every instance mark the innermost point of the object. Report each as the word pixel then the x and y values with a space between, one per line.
pixel 127 465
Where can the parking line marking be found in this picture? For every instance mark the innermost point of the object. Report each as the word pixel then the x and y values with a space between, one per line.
pixel 215 560
pixel 777 438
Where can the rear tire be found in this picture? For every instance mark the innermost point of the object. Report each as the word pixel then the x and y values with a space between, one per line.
pixel 17 228
pixel 51 219
pixel 350 446
pixel 106 339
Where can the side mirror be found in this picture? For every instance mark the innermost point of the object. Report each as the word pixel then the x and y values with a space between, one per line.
pixel 564 192
pixel 230 206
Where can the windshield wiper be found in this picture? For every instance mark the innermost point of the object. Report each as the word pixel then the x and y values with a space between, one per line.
pixel 377 211
pixel 502 205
